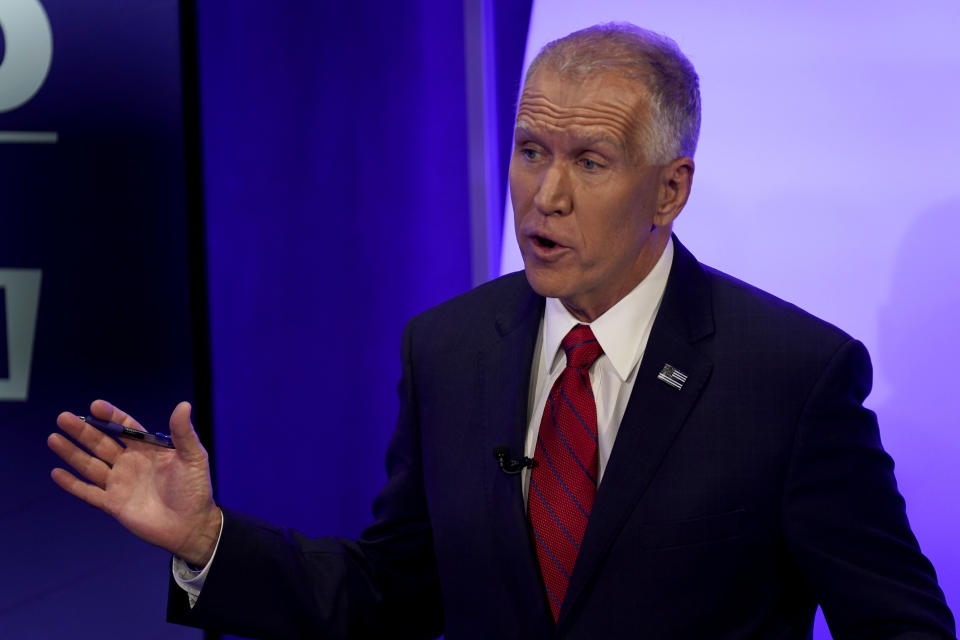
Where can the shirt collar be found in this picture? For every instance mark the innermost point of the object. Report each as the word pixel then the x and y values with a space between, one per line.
pixel 621 330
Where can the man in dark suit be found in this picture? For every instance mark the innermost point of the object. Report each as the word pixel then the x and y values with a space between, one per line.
pixel 680 455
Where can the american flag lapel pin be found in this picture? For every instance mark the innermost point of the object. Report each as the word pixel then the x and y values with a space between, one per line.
pixel 672 376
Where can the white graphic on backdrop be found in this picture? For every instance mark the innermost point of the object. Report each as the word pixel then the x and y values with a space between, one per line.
pixel 28 52
pixel 21 288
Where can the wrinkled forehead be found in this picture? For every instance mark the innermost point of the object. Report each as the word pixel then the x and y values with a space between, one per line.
pixel 605 105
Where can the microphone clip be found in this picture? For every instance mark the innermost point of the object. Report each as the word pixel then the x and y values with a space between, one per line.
pixel 512 466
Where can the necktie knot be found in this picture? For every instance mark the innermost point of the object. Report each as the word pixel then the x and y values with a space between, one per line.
pixel 581 347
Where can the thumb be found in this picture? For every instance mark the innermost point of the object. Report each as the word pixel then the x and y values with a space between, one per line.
pixel 184 437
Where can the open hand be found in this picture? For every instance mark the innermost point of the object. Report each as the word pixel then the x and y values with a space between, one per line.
pixel 161 495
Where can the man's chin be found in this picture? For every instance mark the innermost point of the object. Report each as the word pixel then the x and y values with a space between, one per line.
pixel 548 285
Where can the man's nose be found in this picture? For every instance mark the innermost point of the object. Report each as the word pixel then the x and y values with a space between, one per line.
pixel 553 196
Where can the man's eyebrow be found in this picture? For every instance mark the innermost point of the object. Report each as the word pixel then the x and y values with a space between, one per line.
pixel 584 141
pixel 524 127
pixel 592 139
pixel 526 131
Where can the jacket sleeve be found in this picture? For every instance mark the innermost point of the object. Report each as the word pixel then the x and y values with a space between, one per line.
pixel 845 522
pixel 272 582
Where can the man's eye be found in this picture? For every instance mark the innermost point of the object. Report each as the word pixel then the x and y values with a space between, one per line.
pixel 589 165
pixel 529 154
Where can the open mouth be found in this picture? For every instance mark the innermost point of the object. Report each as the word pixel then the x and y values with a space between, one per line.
pixel 545 242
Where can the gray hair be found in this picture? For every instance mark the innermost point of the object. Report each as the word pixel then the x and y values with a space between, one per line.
pixel 656 61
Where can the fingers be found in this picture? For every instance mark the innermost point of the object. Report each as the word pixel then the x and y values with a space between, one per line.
pixel 89 493
pixel 93 469
pixel 184 437
pixel 106 411
pixel 95 441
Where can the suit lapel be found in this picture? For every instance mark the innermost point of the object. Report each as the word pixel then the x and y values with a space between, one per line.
pixel 505 367
pixel 654 416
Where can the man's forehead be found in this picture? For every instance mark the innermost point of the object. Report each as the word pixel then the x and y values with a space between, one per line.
pixel 575 87
pixel 605 107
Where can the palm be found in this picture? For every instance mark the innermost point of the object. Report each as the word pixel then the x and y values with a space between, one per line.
pixel 153 494
pixel 160 495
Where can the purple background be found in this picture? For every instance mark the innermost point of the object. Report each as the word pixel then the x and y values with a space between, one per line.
pixel 336 209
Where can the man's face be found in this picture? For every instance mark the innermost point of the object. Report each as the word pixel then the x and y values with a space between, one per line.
pixel 583 198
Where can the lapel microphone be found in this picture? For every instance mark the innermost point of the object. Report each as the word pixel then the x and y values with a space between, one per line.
pixel 511 466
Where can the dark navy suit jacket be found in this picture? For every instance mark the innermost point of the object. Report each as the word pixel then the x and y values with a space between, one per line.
pixel 729 508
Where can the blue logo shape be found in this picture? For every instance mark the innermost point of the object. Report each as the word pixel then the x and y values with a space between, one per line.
pixel 21 301
pixel 28 50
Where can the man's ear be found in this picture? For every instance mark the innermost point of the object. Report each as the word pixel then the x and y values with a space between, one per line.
pixel 674 188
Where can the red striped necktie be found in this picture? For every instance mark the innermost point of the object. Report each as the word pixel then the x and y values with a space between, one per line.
pixel 564 481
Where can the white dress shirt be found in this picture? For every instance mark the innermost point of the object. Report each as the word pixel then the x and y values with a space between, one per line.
pixel 622 332
pixel 192 581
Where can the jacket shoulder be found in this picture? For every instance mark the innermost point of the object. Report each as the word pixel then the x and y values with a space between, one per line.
pixel 479 315
pixel 736 302
pixel 776 341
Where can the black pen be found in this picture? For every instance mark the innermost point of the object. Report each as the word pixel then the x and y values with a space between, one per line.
pixel 118 430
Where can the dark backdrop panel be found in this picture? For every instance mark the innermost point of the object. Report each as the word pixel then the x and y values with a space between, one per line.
pixel 102 214
pixel 336 182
